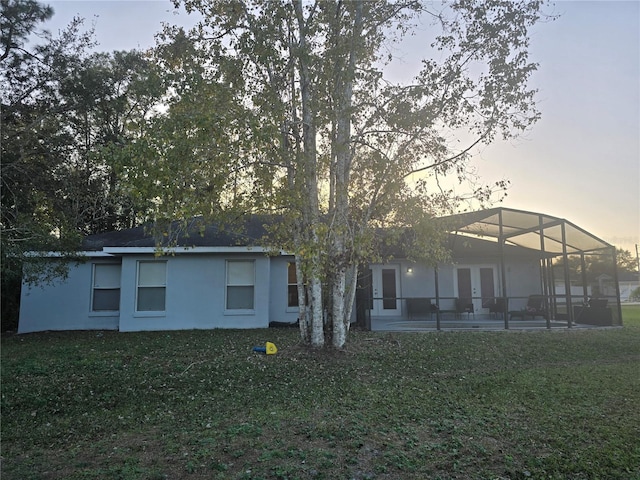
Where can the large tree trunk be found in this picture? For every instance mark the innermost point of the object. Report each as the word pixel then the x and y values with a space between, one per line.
pixel 303 311
pixel 317 318
pixel 309 181
pixel 339 334
pixel 343 154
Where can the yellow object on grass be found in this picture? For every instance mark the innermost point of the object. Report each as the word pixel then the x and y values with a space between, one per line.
pixel 271 349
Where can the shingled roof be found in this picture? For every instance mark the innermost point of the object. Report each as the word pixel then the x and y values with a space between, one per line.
pixel 195 234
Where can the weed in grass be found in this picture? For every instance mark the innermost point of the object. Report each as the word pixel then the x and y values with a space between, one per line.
pixel 237 453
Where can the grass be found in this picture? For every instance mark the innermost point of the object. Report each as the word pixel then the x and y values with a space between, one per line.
pixel 196 405
pixel 631 315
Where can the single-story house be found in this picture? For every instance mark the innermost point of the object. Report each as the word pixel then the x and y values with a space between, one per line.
pixel 501 257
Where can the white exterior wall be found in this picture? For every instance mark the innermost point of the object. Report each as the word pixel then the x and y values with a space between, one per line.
pixel 419 283
pixel 64 305
pixel 446 287
pixel 195 295
pixel 523 279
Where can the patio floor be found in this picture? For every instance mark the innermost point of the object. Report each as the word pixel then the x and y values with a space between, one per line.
pixel 399 324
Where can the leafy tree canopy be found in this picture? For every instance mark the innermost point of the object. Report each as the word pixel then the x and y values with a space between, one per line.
pixel 282 106
pixel 64 112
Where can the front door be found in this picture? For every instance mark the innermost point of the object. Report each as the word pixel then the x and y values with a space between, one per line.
pixel 477 282
pixel 385 283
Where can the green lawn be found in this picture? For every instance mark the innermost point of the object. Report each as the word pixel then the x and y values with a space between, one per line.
pixel 202 405
pixel 631 315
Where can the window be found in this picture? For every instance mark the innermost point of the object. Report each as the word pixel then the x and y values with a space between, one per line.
pixel 292 286
pixel 106 287
pixel 152 285
pixel 240 284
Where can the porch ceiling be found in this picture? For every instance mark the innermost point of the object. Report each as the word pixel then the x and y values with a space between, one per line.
pixel 523 229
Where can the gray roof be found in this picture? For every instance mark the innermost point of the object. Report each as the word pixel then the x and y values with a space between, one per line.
pixel 194 234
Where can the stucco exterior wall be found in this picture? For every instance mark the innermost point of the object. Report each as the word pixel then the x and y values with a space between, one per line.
pixel 195 295
pixel 64 305
pixel 523 279
pixel 417 283
pixel 420 282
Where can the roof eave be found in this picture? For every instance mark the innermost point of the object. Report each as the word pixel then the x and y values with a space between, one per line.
pixel 173 250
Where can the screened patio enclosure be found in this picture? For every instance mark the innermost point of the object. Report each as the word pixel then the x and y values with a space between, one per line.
pixel 530 269
pixel 573 263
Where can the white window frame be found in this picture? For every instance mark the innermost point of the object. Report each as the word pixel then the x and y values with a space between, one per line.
pixel 138 287
pixel 239 311
pixel 95 287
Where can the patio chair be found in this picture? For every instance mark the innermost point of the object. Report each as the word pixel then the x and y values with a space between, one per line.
pixel 535 308
pixel 464 305
pixel 496 305
pixel 598 302
pixel 420 307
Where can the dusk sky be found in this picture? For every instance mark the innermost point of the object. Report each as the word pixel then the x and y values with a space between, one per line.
pixel 580 162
